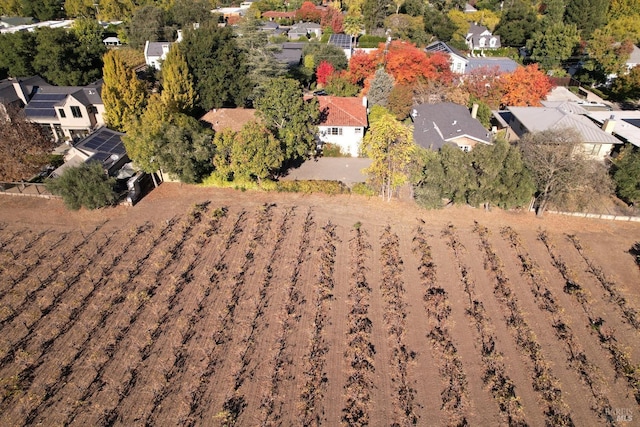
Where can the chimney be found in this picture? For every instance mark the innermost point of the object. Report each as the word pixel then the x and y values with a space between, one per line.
pixel 474 111
pixel 179 39
pixel 364 102
pixel 609 124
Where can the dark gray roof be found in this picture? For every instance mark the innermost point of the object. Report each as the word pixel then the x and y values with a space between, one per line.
pixel 439 46
pixel 505 65
pixel 103 143
pixel 43 103
pixel 155 48
pixel 437 124
pixel 269 26
pixel 29 85
pixel 343 41
pixel 291 54
pixel 304 26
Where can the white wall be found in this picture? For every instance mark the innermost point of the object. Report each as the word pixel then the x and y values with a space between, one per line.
pixel 349 142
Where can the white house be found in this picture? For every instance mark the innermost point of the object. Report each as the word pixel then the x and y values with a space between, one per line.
pixel 68 112
pixel 343 122
pixel 155 53
pixel 457 59
pixel 479 37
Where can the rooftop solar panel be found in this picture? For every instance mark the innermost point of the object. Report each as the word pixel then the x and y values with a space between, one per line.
pixel 341 40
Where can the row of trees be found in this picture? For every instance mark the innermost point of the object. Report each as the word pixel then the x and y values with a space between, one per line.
pixel 60 56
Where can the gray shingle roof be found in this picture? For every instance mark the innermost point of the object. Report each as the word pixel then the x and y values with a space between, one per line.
pixel 437 124
pixel 538 119
pixel 439 46
pixel 155 48
pixel 505 65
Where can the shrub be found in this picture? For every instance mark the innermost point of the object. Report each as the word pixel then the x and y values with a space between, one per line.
pixel 363 189
pixel 85 185
pixel 332 150
pixel 308 187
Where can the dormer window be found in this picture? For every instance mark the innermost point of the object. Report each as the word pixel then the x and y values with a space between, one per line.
pixel 61 113
pixel 481 42
pixel 75 111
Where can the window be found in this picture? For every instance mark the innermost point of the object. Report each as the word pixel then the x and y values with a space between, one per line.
pixel 61 113
pixel 358 130
pixel 465 148
pixel 335 131
pixel 75 111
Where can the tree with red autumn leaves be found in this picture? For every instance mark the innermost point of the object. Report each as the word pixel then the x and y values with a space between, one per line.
pixel 407 63
pixel 308 13
pixel 361 66
pixel 324 70
pixel 485 84
pixel 332 19
pixel 526 86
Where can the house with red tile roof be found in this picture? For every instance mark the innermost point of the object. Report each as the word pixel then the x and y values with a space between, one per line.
pixel 343 121
pixel 273 15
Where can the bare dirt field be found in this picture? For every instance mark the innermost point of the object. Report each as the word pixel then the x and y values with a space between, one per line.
pixel 218 307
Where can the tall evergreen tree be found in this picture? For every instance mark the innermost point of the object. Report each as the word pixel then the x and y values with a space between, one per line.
pixel 553 45
pixel 380 89
pixel 627 174
pixel 587 15
pixel 374 12
pixel 177 86
pixel 123 93
pixel 517 24
pixel 217 65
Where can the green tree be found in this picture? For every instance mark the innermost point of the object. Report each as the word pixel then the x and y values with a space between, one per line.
pixel 256 153
pixel 147 23
pixel 339 85
pixel 439 24
pixel 374 12
pixel 17 52
pixel 43 10
pixel 627 86
pixel 178 92
pixel 260 60
pixel 62 59
pixel 586 15
pixel 400 101
pixel 517 24
pixel 289 117
pixel 627 174
pixel 123 94
pixel 624 28
pixel 144 132
pixel 80 8
pixel 184 13
pixel 553 45
pixel 390 145
pixel 458 178
pixel 609 57
pixel 110 10
pixel 224 142
pixel 500 175
pixel 324 52
pixel 185 149
pixel 380 89
pixel 427 179
pixel 217 65
pixel 86 185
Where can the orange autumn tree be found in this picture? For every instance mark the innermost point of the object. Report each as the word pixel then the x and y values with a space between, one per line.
pixel 407 63
pixel 485 84
pixel 361 66
pixel 526 86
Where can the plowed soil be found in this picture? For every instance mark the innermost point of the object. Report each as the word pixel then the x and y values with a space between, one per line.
pixel 214 307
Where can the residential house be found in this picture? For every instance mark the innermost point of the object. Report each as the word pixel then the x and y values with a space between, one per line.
pixel 14 21
pixel 503 64
pixel 32 27
pixel 67 112
pixel 435 125
pixel 468 8
pixel 305 29
pixel 273 15
pixel 343 121
pixel 624 125
pixel 111 42
pixel 634 58
pixel 228 118
pixel 291 54
pixel 457 59
pixel 104 146
pixel 155 53
pixel 16 93
pixel 479 38
pixel 597 141
pixel 344 42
